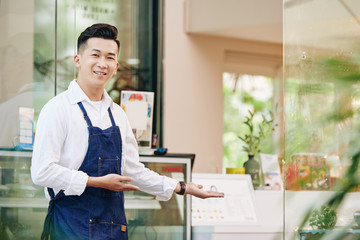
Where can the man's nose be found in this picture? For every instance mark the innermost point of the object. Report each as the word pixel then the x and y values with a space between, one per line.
pixel 101 62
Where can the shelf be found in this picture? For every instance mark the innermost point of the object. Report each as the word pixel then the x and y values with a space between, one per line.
pixel 138 203
pixel 17 160
pixel 130 203
pixel 324 234
pixel 6 153
pixel 23 202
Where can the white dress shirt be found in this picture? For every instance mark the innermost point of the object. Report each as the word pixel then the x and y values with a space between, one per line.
pixel 61 143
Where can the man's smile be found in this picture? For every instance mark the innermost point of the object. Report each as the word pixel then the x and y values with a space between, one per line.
pixel 100 73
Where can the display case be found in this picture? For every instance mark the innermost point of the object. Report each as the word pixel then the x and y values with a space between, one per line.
pixel 154 219
pixel 23 205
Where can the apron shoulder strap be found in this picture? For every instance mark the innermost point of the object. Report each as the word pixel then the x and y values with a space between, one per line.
pixel 111 117
pixel 86 117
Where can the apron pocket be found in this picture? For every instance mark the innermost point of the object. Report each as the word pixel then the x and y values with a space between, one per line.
pixel 108 165
pixel 101 230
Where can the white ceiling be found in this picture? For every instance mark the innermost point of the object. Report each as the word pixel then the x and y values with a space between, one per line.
pixel 259 20
pixel 320 23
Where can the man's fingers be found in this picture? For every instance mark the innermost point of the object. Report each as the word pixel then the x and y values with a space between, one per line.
pixel 125 186
pixel 129 187
pixel 125 179
pixel 215 194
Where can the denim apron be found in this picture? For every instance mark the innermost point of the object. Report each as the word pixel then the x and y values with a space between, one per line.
pixel 98 213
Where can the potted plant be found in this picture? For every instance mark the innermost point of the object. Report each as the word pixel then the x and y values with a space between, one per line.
pixel 322 221
pixel 252 141
pixel 253 138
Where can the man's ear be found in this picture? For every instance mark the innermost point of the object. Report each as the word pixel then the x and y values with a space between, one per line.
pixel 77 60
pixel 117 66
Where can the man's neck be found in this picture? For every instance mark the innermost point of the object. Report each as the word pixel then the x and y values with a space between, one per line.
pixel 93 93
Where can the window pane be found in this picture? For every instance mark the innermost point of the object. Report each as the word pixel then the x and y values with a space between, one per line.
pixel 244 93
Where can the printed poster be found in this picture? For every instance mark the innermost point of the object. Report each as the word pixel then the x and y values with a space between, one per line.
pixel 271 171
pixel 138 107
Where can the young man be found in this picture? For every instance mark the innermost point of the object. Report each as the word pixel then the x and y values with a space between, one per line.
pixel 85 152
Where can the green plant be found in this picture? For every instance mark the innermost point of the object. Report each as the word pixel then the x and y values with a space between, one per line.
pixel 325 218
pixel 254 137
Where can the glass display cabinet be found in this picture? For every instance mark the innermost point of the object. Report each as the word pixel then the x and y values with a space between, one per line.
pixel 23 206
pixel 153 219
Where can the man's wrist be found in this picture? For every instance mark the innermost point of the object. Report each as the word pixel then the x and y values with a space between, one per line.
pixel 93 182
pixel 182 189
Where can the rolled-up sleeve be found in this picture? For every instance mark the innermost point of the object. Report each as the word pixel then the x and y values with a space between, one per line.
pixel 45 168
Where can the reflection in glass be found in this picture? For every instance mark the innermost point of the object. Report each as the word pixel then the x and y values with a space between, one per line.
pixel 26 78
pixel 322 80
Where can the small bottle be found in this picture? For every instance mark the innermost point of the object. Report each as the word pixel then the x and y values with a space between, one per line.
pixel 252 167
pixel 334 163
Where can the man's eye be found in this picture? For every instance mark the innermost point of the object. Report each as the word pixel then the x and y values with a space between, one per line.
pixel 111 58
pixel 94 54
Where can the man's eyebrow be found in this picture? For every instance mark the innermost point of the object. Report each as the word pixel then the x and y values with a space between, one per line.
pixel 97 50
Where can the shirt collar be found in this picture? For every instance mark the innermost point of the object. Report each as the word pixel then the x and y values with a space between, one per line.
pixel 78 95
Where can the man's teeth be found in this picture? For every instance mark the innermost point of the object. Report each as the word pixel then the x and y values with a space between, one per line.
pixel 100 73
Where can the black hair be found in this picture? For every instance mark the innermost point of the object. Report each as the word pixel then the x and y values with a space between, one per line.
pixel 98 30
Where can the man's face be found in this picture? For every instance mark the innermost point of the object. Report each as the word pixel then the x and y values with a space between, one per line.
pixel 97 62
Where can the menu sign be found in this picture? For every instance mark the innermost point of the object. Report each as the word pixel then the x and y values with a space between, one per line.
pixel 236 208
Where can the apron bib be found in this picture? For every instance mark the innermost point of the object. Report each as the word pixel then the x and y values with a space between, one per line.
pixel 97 213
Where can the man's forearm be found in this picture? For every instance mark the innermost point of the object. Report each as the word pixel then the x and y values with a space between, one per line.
pixel 114 182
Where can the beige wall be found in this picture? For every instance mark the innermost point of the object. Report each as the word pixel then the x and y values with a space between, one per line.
pixel 193 98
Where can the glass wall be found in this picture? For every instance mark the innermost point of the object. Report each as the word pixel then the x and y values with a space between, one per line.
pixel 37 46
pixel 322 124
pixel 38 43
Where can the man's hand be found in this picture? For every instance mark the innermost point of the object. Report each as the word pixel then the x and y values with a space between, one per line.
pixel 196 190
pixel 112 182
